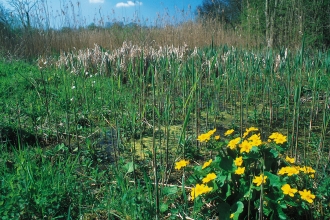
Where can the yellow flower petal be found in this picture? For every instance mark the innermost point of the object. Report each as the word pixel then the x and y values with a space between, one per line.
pixel 181 163
pixel 238 161
pixel 209 177
pixel 258 180
pixel 207 163
pixel 287 190
pixel 240 170
pixel 289 159
pixel 307 195
pixel 229 132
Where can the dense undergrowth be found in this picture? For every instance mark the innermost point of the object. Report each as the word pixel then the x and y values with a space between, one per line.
pixel 57 111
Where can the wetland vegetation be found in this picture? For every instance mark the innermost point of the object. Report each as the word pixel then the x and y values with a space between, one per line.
pixel 97 134
pixel 197 120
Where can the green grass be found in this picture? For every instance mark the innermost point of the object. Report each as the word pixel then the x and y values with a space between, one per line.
pixel 157 103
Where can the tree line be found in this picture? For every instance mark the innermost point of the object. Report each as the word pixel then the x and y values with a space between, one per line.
pixel 274 23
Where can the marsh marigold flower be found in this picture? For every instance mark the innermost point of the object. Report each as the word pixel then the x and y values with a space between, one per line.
pixel 233 143
pixel 240 170
pixel 307 195
pixel 211 132
pixel 289 171
pixel 278 138
pixel 229 132
pixel 281 139
pixel 248 130
pixel 255 140
pixel 308 170
pixel 217 137
pixel 181 163
pixel 204 137
pixel 199 190
pixel 287 190
pixel 273 135
pixel 238 161
pixel 207 163
pixel 258 180
pixel 245 146
pixel 289 159
pixel 209 177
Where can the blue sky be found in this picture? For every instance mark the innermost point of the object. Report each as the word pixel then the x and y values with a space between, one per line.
pixel 147 12
pixel 144 10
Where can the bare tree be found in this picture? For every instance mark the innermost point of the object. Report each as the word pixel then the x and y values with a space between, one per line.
pixel 23 10
pixel 270 14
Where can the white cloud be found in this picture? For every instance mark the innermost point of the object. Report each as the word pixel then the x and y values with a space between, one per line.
pixel 96 1
pixel 128 4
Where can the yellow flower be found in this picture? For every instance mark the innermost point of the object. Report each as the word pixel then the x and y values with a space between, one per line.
pixel 289 170
pixel 204 137
pixel 282 171
pixel 211 132
pixel 217 137
pixel 199 190
pixel 281 139
pixel 232 144
pixel 207 163
pixel 231 215
pixel 229 132
pixel 209 177
pixel 255 140
pixel 274 135
pixel 307 195
pixel 181 163
pixel 240 170
pixel 287 190
pixel 245 146
pixel 248 130
pixel 253 129
pixel 307 170
pixel 292 171
pixel 238 161
pixel 278 138
pixel 258 180
pixel 289 159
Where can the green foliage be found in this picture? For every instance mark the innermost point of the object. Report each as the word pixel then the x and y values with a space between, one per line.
pixel 251 178
pixel 29 192
pixel 47 184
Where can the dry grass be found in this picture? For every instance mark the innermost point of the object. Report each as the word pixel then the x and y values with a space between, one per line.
pixel 191 34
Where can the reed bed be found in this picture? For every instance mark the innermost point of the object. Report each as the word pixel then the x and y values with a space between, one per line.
pixel 30 44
